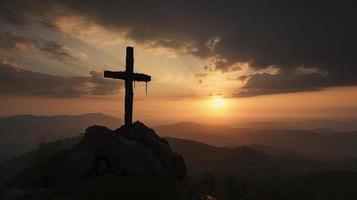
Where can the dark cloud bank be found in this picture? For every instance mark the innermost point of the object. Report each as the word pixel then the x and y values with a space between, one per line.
pixel 17 81
pixel 319 36
pixel 54 50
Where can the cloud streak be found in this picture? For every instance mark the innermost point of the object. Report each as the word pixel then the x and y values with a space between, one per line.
pixel 17 81
pixel 53 49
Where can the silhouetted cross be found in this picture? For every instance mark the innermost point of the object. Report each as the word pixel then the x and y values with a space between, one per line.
pixel 129 76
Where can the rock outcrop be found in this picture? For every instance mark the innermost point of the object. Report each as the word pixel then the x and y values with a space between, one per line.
pixel 137 150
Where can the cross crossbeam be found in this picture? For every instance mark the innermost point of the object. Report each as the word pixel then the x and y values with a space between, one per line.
pixel 128 76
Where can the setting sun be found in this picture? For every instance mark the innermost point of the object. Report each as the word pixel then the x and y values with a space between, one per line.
pixel 218 102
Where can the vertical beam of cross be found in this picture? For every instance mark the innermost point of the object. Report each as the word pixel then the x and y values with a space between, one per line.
pixel 129 69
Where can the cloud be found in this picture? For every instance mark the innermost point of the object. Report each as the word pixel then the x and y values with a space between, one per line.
pixel 284 34
pixel 201 75
pixel 53 49
pixel 296 80
pixel 11 41
pixel 10 15
pixel 17 81
pixel 56 51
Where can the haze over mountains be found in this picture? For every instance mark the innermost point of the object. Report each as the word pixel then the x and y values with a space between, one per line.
pixel 25 132
pixel 21 133
pixel 318 143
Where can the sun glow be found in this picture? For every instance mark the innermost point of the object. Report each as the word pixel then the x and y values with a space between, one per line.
pixel 218 102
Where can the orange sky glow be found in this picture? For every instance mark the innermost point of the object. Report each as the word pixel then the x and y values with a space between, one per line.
pixel 182 88
pixel 305 105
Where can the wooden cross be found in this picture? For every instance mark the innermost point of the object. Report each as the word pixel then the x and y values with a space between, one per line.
pixel 129 76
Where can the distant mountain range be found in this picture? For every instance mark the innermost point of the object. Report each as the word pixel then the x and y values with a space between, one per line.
pixel 24 132
pixel 242 161
pixel 325 125
pixel 314 144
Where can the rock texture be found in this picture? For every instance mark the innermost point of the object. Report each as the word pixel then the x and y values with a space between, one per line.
pixel 137 150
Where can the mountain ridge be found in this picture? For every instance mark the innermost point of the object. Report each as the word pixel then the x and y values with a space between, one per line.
pixel 21 133
pixel 24 132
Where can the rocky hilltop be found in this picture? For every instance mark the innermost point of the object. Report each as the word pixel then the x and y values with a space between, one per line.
pixel 137 150
pixel 126 152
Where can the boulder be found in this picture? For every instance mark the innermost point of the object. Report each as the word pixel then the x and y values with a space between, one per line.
pixel 172 162
pixel 137 150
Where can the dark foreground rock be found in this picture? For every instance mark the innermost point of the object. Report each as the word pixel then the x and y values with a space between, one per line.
pixel 134 151
pixel 126 154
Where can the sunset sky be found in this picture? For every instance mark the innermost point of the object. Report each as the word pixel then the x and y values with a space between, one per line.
pixel 210 61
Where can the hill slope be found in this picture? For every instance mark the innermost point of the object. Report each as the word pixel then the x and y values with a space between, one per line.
pixel 314 144
pixel 24 132
pixel 239 161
